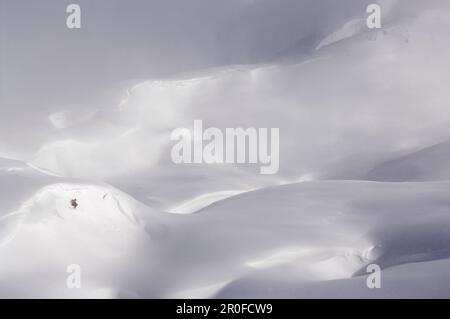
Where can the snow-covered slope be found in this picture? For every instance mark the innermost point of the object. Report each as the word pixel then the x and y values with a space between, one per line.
pixel 428 164
pixel 278 241
pixel 296 235
pixel 41 234
pixel 359 180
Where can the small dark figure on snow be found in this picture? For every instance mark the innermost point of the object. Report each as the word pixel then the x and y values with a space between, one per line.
pixel 74 203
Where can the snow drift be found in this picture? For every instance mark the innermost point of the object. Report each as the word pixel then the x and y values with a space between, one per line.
pixel 363 117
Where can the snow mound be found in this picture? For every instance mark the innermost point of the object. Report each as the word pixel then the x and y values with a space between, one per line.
pixel 335 230
pixel 292 236
pixel 93 200
pixel 284 238
pixel 41 235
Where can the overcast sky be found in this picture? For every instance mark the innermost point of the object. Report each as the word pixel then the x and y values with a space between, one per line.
pixel 45 67
pixel 125 40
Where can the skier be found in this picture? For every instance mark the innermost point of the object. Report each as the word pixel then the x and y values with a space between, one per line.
pixel 74 203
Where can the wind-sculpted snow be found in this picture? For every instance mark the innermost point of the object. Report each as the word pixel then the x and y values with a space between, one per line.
pixel 202 201
pixel 310 234
pixel 41 234
pixel 380 99
pixel 363 179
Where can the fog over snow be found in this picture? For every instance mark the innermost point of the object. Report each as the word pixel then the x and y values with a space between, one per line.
pixel 363 116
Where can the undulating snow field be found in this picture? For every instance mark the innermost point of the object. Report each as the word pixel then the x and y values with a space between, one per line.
pixel 364 178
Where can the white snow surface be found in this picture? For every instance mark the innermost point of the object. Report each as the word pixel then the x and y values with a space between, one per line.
pixel 364 179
